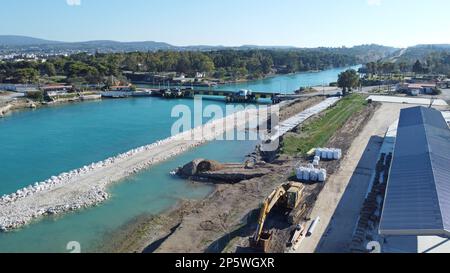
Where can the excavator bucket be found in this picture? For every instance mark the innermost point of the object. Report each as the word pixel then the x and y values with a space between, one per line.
pixel 263 244
pixel 265 241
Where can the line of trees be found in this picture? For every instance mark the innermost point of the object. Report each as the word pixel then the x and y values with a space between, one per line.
pixel 233 64
pixel 381 67
pixel 436 62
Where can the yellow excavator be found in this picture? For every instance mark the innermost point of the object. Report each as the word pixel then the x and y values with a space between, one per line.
pixel 287 195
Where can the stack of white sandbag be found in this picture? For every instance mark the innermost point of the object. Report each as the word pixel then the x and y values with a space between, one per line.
pixel 328 153
pixel 308 174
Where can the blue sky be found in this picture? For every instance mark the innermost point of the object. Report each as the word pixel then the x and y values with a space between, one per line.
pixel 299 23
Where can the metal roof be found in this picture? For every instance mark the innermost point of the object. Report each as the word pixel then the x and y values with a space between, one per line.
pixel 418 191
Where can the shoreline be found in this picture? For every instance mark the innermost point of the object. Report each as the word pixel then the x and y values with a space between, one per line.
pixel 244 81
pixel 170 216
pixel 86 186
pixel 25 103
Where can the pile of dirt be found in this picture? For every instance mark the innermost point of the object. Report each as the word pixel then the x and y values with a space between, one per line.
pixel 210 171
pixel 209 166
pixel 198 166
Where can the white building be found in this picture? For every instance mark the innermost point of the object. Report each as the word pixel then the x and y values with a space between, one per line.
pixel 416 89
pixel 416 211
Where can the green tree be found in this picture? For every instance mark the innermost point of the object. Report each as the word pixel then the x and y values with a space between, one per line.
pixel 403 66
pixel 418 67
pixel 348 80
pixel 48 69
pixel 37 95
pixel 220 73
pixel 26 75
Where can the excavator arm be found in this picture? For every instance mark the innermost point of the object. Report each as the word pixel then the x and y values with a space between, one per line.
pixel 267 206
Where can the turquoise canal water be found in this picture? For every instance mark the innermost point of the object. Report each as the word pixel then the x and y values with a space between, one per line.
pixel 289 83
pixel 149 192
pixel 36 144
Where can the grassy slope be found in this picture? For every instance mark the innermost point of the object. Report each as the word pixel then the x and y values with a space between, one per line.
pixel 319 131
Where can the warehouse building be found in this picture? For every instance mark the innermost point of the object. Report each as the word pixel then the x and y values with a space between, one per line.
pixel 416 212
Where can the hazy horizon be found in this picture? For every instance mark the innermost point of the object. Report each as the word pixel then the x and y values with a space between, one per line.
pixel 220 45
pixel 232 23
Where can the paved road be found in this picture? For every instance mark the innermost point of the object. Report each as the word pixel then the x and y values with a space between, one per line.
pixel 445 95
pixel 339 203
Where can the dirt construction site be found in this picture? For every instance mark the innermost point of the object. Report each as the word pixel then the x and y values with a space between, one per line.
pixel 227 219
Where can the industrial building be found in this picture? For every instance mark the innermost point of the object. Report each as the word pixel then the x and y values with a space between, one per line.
pixel 416 211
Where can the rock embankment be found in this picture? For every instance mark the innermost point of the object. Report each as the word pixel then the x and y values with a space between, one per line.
pixel 87 186
pixel 4 110
pixel 15 105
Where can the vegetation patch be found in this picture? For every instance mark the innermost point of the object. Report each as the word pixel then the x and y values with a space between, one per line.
pixel 36 95
pixel 317 132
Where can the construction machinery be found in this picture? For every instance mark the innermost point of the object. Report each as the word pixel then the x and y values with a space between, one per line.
pixel 296 236
pixel 288 196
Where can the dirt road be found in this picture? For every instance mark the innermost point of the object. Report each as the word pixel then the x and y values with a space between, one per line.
pixel 339 215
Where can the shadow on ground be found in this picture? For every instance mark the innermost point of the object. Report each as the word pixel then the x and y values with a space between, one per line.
pixel 338 234
pixel 155 245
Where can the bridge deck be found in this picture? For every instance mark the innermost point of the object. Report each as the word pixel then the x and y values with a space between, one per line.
pixel 262 95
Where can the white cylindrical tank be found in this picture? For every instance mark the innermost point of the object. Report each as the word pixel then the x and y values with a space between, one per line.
pixel 316 162
pixel 313 226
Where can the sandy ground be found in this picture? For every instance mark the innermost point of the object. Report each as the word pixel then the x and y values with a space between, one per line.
pixel 225 212
pixel 339 215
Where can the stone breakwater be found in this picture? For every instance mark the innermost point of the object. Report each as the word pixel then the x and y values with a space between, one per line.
pixel 4 110
pixel 86 186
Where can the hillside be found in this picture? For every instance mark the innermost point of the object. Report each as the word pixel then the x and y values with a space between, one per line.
pixel 364 53
pixel 15 40
pixel 370 53
pixel 422 52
